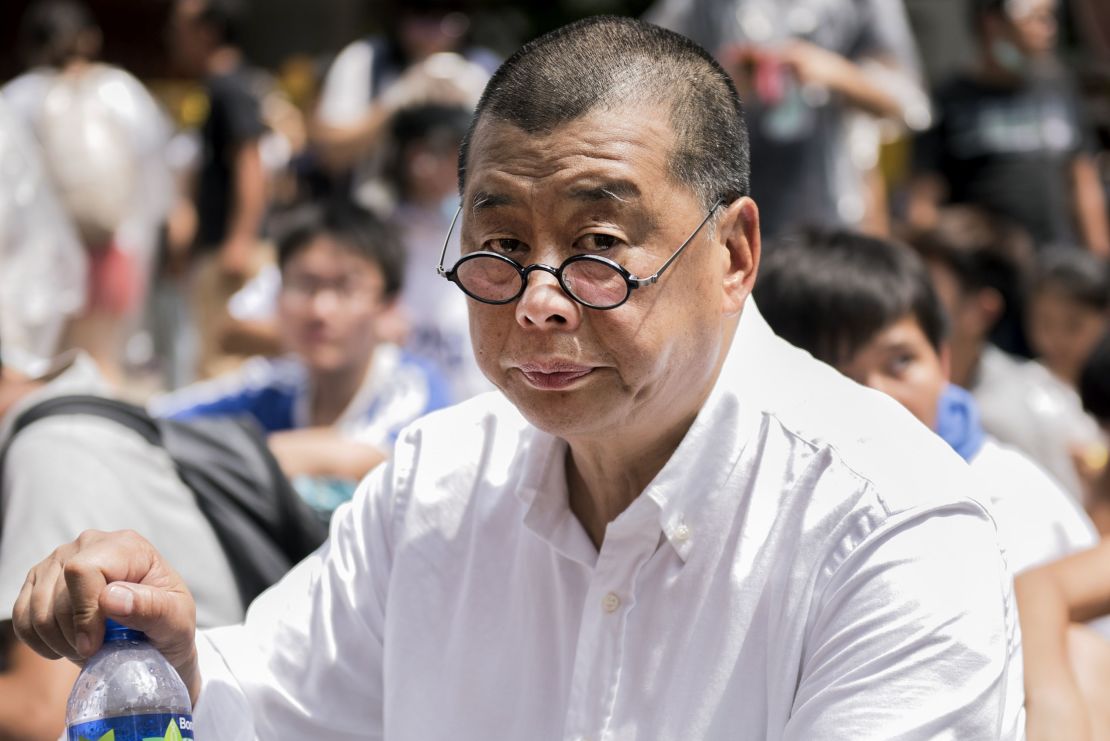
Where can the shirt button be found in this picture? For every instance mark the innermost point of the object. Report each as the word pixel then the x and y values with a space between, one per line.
pixel 682 533
pixel 611 602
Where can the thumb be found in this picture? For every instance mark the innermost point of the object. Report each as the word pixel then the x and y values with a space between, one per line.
pixel 166 616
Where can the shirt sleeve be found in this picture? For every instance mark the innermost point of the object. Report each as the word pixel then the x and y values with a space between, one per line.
pixel 942 664
pixel 238 110
pixel 307 662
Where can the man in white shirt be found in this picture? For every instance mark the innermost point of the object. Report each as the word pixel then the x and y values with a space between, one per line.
pixel 672 525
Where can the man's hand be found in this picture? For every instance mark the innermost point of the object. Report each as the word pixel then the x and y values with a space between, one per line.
pixel 61 609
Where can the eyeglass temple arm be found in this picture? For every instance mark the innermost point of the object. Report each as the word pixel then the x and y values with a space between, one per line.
pixel 446 241
pixel 654 277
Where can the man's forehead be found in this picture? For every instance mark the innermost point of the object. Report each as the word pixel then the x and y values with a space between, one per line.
pixel 600 157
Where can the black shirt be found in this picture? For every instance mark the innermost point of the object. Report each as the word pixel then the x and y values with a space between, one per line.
pixel 234 118
pixel 1009 149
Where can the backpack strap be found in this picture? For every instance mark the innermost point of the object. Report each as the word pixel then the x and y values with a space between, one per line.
pixel 129 415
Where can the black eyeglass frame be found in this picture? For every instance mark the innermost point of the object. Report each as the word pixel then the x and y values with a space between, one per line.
pixel 631 281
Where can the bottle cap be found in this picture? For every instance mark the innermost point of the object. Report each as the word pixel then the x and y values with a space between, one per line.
pixel 114 631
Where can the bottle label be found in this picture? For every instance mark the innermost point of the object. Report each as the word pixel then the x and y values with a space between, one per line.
pixel 150 727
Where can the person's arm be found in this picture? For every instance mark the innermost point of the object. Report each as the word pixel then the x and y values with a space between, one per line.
pixel 1053 704
pixel 340 146
pixel 817 66
pixel 926 193
pixel 247 210
pixel 1090 205
pixel 1050 599
pixel 33 692
pixel 323 451
pixel 913 636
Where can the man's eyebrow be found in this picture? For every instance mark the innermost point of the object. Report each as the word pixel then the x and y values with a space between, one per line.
pixel 621 191
pixel 483 200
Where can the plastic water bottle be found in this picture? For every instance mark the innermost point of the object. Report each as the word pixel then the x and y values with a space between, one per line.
pixel 128 692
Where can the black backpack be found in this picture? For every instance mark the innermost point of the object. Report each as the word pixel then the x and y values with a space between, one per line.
pixel 263 525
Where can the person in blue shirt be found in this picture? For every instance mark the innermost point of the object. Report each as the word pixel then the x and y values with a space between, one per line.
pixel 333 405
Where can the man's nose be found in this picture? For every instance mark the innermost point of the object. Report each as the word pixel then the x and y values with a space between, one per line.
pixel 545 305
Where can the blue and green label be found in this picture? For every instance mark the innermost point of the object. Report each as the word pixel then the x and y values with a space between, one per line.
pixel 150 727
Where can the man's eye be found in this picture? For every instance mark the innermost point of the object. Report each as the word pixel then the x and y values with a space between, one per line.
pixel 899 363
pixel 597 242
pixel 503 245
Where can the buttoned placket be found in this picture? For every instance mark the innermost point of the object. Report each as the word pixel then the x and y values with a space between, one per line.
pixel 630 542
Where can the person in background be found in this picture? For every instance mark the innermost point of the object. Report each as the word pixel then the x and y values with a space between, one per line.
pixel 423 172
pixel 814 77
pixel 43 265
pixel 1010 135
pixel 1067 664
pixel 335 403
pixel 230 192
pixel 103 139
pixel 981 266
pixel 422 57
pixel 66 474
pixel 1069 310
pixel 867 307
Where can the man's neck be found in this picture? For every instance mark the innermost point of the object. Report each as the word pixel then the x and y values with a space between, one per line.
pixel 333 391
pixel 965 364
pixel 606 472
pixel 605 476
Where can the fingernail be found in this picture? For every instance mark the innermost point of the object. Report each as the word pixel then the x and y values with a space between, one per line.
pixel 84 644
pixel 119 600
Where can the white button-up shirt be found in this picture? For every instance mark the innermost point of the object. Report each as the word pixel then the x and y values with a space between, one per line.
pixel 808 565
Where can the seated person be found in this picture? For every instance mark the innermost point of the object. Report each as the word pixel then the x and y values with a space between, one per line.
pixel 981 265
pixel 1067 665
pixel 335 403
pixel 866 306
pixel 110 479
pixel 1069 310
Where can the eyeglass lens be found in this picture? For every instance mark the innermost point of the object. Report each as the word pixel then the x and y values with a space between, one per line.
pixel 592 282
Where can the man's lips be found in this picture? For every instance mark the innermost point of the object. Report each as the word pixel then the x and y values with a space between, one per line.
pixel 553 376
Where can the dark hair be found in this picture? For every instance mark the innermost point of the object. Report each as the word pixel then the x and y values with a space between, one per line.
pixel 981 250
pixel 51 32
pixel 226 18
pixel 352 226
pixel 1094 382
pixel 605 61
pixel 1074 274
pixel 438 125
pixel 831 291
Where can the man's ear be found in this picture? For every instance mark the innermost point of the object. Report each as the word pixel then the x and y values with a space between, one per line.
pixel 738 231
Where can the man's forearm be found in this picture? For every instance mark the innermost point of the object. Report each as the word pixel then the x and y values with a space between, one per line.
pixel 250 195
pixel 1090 206
pixel 341 147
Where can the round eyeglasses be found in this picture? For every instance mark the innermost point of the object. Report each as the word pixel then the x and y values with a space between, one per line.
pixel 592 280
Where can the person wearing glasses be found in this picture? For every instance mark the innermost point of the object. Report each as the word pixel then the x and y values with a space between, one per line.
pixel 335 402
pixel 669 523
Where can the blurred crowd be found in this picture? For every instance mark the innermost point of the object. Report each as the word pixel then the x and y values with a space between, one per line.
pixel 264 242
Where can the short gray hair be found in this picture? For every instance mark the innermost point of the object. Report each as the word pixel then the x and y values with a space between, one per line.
pixel 606 61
